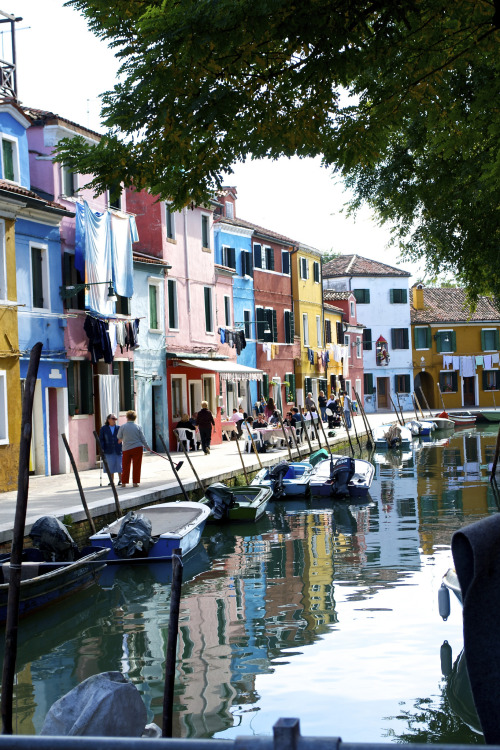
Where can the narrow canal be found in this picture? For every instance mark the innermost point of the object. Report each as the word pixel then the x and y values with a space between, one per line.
pixel 322 611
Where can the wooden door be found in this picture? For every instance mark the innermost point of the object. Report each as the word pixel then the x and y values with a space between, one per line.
pixel 469 385
pixel 383 393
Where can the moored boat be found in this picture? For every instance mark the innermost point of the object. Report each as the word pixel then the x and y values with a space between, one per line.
pixel 236 504
pixel 463 419
pixel 154 532
pixel 443 423
pixel 44 582
pixel 489 415
pixel 392 436
pixel 285 478
pixel 342 476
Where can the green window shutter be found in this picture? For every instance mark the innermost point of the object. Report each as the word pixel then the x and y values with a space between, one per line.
pixel 453 341
pixel 393 336
pixel 270 259
pixel 292 327
pixel 406 344
pixel 67 269
pixel 441 380
pixel 231 257
pixel 454 380
pixel 497 378
pixel 368 383
pixel 8 160
pixel 323 385
pixel 116 368
pixel 36 276
pixel 307 386
pixel 285 262
pixel 172 304
pixel 316 271
pixel 274 328
pixel 407 384
pixel 396 383
pixel 86 380
pixel 208 309
pixel 292 387
pixel 391 295
pixel 483 341
pixel 128 385
pixel 261 322
pixel 428 337
pixel 367 339
pixel 257 256
pixel 485 383
pixel 71 389
pixel 439 344
pixel 497 339
pixel 153 308
pixel 265 385
pixel 404 296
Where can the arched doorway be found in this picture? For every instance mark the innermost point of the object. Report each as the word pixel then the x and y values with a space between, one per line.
pixel 425 382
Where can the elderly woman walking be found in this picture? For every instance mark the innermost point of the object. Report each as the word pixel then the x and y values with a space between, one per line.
pixel 132 438
pixel 205 422
pixel 111 447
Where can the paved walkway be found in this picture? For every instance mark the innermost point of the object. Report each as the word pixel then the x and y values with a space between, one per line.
pixel 58 495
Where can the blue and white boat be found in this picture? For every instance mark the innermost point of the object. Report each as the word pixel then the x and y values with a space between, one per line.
pixel 420 427
pixel 285 478
pixel 154 532
pixel 342 476
pixel 392 436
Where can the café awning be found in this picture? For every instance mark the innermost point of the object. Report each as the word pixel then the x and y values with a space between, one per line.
pixel 227 369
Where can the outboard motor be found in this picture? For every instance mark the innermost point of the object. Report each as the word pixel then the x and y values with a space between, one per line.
pixel 134 537
pixel 341 474
pixel 276 474
pixel 220 500
pixel 53 540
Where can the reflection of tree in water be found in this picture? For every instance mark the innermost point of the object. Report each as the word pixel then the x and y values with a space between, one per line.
pixel 431 724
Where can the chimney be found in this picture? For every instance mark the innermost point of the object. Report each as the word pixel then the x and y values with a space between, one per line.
pixel 418 297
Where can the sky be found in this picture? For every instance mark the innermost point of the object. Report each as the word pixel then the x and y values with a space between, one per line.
pixel 63 67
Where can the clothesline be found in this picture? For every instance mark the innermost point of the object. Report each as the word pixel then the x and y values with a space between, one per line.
pixel 466 364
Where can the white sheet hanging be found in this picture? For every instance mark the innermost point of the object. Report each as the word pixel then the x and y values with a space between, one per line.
pixel 98 260
pixel 122 255
pixel 109 395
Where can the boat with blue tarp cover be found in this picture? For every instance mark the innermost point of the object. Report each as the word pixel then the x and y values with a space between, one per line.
pixel 285 478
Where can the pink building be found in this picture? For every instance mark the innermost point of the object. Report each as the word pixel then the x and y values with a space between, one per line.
pixel 88 383
pixel 352 338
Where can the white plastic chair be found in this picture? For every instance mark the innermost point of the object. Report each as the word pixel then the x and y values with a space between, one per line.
pixel 248 440
pixel 299 434
pixel 182 437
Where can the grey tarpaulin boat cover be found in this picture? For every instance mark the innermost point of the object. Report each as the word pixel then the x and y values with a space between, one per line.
pixel 53 540
pixel 476 553
pixel 134 537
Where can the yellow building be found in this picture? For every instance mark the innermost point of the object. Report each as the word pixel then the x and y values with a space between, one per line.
pixel 334 336
pixel 455 349
pixel 307 290
pixel 10 388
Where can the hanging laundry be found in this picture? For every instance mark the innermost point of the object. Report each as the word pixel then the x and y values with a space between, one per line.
pixel 495 358
pixel 479 360
pixel 266 348
pixel 112 334
pixel 456 363
pixel 447 361
pixel 488 361
pixel 135 328
pixel 123 274
pixel 99 344
pixel 310 356
pixel 468 367
pixel 222 334
pixel 120 334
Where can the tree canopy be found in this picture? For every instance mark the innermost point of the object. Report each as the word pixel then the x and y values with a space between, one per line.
pixel 401 99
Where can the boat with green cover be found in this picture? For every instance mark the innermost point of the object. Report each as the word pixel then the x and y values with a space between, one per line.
pixel 236 504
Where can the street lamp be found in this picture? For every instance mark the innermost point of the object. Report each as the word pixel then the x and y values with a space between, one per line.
pixel 73 289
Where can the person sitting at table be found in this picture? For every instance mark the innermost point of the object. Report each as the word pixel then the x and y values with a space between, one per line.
pixel 288 419
pixel 237 418
pixel 269 409
pixel 187 424
pixel 261 421
pixel 297 417
pixel 275 419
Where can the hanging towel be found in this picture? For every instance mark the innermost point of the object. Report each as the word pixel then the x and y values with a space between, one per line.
pixel 123 277
pixel 456 363
pixel 120 334
pixel 98 260
pixel 310 356
pixel 222 333
pixel 495 358
pixel 447 361
pixel 488 361
pixel 468 367
pixel 80 239
pixel 134 234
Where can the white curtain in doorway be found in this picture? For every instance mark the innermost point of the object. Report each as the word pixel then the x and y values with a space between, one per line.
pixel 277 394
pixel 109 395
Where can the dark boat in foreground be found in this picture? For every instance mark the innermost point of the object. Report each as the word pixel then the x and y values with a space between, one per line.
pixel 236 504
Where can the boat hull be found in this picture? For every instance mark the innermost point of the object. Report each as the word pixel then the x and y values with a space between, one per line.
pixel 180 531
pixel 381 441
pixel 490 416
pixel 52 581
pixel 295 481
pixel 359 486
pixel 250 503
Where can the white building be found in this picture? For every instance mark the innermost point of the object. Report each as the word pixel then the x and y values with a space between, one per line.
pixel 383 307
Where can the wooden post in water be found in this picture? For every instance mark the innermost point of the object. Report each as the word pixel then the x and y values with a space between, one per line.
pixel 115 494
pixel 322 427
pixel 80 488
pixel 342 416
pixel 200 483
pixel 418 404
pixel 304 427
pixel 176 473
pixel 315 428
pixel 495 460
pixel 12 622
pixel 284 435
pixel 242 462
pixel 395 409
pixel 253 443
pixel 354 427
pixel 400 409
pixel 173 626
pixel 369 432
pixel 425 400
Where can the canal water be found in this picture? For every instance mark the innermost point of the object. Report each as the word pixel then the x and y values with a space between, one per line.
pixel 322 611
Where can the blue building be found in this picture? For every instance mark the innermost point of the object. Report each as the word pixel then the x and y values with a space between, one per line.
pixel 233 249
pixel 38 280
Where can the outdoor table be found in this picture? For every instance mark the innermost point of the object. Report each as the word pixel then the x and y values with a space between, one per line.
pixel 273 434
pixel 228 428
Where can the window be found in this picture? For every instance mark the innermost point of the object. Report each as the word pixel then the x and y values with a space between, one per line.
pixel 358 387
pixel 178 407
pixel 353 309
pixel 319 337
pixel 368 383
pixel 209 392
pixel 358 347
pixel 398 296
pixel 68 181
pixel 229 257
pixel 80 387
pixel 4 416
pixel 340 332
pixel 346 340
pixel 285 261
pixel 155 306
pixel 115 196
pixel 305 329
pixel 367 339
pixel 71 277
pixel 10 159
pixel 170 222
pixel 489 340
pixel 422 336
pixel 173 315
pixel 3 262
pixel 205 231
pixel 39 277
pixel 328 331
pixel 446 341
pixel 257 256
pixel 268 258
pixel 122 305
pixel 289 326
pixel 362 296
pixel 491 380
pixel 289 389
pixel 448 382
pixel 304 268
pixel 400 338
pixel 125 370
pixel 227 310
pixel 246 264
pixel 247 321
pixel 316 272
pixel 229 210
pixel 209 323
pixel 402 383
